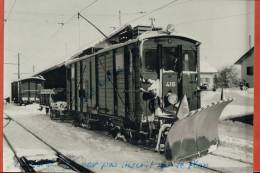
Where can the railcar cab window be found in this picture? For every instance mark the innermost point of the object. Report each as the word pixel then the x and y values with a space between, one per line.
pixel 169 54
pixel 189 60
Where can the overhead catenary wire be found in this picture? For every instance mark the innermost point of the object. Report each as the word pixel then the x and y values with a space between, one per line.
pixel 157 9
pixel 213 18
pixel 73 16
pixel 67 21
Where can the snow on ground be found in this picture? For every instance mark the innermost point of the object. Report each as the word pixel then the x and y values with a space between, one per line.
pixel 9 161
pixel 104 154
pixel 86 147
pixel 243 101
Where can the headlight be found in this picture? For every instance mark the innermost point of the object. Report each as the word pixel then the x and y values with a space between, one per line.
pixel 172 98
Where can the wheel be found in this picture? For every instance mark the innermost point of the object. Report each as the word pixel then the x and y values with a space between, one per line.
pixel 47 110
pixel 52 115
pixel 41 108
pixel 88 123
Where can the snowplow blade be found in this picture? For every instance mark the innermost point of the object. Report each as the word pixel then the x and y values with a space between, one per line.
pixel 193 135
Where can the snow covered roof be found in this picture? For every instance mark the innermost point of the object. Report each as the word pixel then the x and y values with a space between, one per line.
pixel 39 77
pixel 50 68
pixel 151 34
pixel 207 68
pixel 245 56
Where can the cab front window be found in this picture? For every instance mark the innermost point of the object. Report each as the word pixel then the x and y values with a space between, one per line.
pixel 175 55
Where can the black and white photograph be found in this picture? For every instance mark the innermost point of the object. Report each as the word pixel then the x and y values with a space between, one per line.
pixel 128 86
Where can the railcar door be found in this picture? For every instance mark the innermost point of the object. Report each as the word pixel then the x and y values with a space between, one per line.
pixel 84 85
pixel 68 90
pixel 101 83
pixel 120 81
pixel 73 84
pixel 92 83
pixel 109 80
pixel 77 87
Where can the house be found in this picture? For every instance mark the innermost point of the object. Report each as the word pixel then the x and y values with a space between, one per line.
pixel 207 75
pixel 247 67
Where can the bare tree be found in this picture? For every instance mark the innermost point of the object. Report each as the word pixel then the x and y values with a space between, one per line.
pixel 228 77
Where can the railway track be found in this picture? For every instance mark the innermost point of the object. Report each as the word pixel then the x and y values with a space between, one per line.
pixel 78 168
pixel 21 160
pixel 25 165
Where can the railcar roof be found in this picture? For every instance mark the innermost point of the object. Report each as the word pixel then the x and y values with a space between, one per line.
pixel 146 35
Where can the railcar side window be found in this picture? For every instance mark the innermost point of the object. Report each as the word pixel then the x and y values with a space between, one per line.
pixel 72 72
pixel 186 62
pixel 119 60
pixel 150 60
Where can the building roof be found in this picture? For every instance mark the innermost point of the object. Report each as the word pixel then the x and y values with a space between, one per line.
pixel 50 68
pixel 207 68
pixel 39 77
pixel 245 56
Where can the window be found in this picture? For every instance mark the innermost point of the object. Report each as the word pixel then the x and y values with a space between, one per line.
pixel 186 62
pixel 150 60
pixel 169 58
pixel 189 62
pixel 119 60
pixel 72 71
pixel 250 71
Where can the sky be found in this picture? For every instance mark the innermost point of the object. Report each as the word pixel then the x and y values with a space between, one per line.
pixel 47 32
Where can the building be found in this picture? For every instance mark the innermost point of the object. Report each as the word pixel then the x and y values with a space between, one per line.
pixel 207 75
pixel 247 67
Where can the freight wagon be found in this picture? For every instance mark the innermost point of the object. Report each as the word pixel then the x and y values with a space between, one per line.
pixel 26 91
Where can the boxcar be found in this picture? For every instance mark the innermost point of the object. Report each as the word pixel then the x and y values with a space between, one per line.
pixel 27 90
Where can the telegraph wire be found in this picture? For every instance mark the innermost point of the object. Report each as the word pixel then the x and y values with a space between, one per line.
pixel 34 13
pixel 157 9
pixel 67 21
pixel 213 18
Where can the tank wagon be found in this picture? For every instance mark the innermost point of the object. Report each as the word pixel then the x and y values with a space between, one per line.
pixel 26 91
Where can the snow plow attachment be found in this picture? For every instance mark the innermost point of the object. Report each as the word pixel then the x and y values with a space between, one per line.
pixel 196 133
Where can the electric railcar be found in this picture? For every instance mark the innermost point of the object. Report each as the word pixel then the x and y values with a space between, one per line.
pixel 135 86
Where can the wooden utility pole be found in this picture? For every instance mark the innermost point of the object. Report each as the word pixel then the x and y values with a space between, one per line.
pixel 152 21
pixel 249 41
pixel 119 17
pixel 33 68
pixel 18 66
